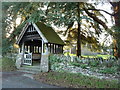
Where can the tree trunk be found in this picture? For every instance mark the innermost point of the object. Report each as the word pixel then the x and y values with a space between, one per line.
pixel 116 8
pixel 79 41
pixel 78 34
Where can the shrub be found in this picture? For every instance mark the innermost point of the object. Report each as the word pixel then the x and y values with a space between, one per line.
pixel 55 66
pixel 75 64
pixel 94 63
pixel 109 63
pixel 54 59
pixel 111 70
pixel 84 66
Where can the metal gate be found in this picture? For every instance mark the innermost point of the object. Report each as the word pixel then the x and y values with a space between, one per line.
pixel 27 59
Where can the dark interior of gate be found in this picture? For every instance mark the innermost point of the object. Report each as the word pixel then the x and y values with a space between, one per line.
pixel 34 47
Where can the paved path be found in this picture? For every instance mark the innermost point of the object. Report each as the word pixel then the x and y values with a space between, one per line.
pixel 21 80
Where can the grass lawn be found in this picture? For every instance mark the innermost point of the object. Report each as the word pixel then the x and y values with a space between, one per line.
pixel 7 64
pixel 92 56
pixel 71 80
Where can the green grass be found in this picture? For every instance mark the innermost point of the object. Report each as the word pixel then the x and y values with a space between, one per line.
pixel 111 70
pixel 105 56
pixel 69 54
pixel 65 79
pixel 7 64
pixel 91 56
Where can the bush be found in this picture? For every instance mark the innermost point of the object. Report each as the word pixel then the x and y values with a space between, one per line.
pixel 111 70
pixel 53 59
pixel 75 64
pixel 84 66
pixel 94 63
pixel 109 63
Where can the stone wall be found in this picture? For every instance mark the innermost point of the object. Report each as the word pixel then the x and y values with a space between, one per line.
pixel 19 60
pixel 44 66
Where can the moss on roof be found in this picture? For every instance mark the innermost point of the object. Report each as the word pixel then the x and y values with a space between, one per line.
pixel 49 33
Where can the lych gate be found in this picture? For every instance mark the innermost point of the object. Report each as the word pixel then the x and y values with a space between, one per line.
pixel 36 41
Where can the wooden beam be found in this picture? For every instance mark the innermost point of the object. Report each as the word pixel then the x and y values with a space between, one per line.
pixel 22 51
pixel 22 33
pixel 50 48
pixel 53 48
pixel 40 33
pixel 62 48
pixel 42 47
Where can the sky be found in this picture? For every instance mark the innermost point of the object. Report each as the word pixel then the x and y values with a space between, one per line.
pixel 106 7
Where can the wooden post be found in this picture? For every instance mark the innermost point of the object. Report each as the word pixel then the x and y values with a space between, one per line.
pixel 42 46
pixel 23 47
pixel 50 48
pixel 53 48
pixel 62 49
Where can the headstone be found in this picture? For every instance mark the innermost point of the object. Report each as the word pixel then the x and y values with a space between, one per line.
pixel 72 58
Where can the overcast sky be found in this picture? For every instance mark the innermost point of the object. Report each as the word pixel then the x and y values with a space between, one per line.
pixel 106 7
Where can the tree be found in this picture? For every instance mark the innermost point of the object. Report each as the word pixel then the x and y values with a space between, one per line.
pixel 61 14
pixel 65 14
pixel 115 32
pixel 116 9
pixel 116 28
pixel 11 10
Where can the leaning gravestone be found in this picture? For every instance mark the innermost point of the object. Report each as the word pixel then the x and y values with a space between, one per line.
pixel 19 60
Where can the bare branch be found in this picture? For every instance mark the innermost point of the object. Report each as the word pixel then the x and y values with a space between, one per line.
pixel 103 11
pixel 96 19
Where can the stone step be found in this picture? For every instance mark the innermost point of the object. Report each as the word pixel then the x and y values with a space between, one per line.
pixel 29 70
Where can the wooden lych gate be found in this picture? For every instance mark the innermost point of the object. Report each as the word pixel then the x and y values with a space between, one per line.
pixel 37 40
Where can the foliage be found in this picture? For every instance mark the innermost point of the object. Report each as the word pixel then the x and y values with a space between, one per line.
pixel 11 11
pixel 94 63
pixel 59 62
pixel 8 64
pixel 116 30
pixel 75 64
pixel 53 59
pixel 71 80
pixel 62 14
pixel 111 70
pixel 84 66
pixel 66 14
pixel 100 56
pixel 110 63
